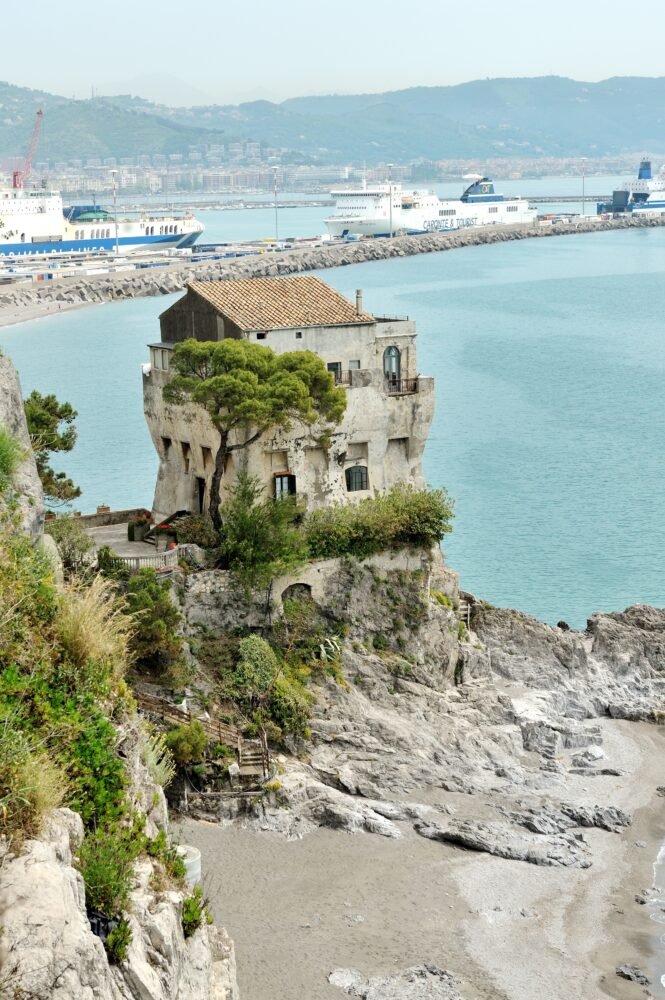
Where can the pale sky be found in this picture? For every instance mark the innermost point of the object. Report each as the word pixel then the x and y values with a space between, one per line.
pixel 227 51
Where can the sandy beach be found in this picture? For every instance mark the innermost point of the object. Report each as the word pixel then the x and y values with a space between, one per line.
pixel 506 929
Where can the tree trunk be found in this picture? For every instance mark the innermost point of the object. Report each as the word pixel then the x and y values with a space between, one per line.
pixel 216 481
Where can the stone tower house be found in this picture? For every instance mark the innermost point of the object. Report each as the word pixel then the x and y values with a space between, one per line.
pixel 382 435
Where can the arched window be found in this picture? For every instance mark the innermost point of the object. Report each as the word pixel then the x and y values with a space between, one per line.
pixel 392 365
pixel 356 478
pixel 147 230
pixel 108 233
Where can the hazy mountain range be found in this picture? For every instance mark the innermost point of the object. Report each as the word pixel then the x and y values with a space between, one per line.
pixel 527 117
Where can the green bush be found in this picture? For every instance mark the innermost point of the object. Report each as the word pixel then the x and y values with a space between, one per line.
pixel 106 862
pixel 258 538
pixel 11 454
pixel 70 537
pixel 255 671
pixel 196 529
pixel 290 705
pixel 403 516
pixel 187 743
pixel 194 912
pixel 161 848
pixel 155 644
pixel 118 941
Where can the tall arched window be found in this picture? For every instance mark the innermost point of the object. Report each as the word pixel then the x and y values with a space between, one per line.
pixel 392 365
pixel 356 478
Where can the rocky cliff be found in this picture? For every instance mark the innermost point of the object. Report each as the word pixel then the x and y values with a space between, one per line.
pixel 27 488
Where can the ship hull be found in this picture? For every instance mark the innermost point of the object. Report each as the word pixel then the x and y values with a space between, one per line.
pixel 126 244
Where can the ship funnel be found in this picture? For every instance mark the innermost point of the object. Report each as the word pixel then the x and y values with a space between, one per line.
pixel 645 170
pixel 359 300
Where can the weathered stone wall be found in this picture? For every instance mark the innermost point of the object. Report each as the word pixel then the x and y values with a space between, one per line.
pixel 26 485
pixel 385 432
pixel 164 281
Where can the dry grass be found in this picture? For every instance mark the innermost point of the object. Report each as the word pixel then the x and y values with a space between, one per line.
pixel 30 784
pixel 158 759
pixel 94 629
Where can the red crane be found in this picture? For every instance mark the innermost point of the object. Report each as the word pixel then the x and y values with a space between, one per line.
pixel 19 177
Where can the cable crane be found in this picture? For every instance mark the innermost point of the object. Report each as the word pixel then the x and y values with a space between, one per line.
pixel 19 177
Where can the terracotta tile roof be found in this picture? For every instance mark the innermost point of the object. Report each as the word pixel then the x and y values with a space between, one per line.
pixel 279 303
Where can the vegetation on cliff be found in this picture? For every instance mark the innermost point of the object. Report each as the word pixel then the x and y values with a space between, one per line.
pixel 51 428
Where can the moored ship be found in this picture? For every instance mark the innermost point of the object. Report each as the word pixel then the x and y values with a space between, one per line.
pixel 387 209
pixel 35 222
pixel 643 196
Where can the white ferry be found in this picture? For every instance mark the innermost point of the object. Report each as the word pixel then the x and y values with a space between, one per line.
pixel 644 196
pixel 35 222
pixel 386 208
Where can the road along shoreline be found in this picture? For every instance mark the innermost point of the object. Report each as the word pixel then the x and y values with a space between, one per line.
pixel 22 302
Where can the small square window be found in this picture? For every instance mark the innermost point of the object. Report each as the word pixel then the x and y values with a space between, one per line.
pixel 261 336
pixel 354 366
pixel 299 335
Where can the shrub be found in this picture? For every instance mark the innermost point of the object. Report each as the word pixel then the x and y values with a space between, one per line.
pixel 118 941
pixel 155 644
pixel 161 848
pixel 290 705
pixel 94 634
pixel 255 671
pixel 106 862
pixel 70 537
pixel 442 599
pixel 402 516
pixel 258 537
pixel 30 784
pixel 194 911
pixel 158 759
pixel 111 565
pixel 11 454
pixel 196 529
pixel 187 743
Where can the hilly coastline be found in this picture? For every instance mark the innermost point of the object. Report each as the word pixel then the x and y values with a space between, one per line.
pixel 523 117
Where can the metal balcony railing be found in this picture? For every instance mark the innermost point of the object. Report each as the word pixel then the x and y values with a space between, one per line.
pixel 401 386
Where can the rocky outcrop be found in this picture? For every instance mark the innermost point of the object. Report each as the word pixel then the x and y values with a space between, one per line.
pixel 164 281
pixel 469 737
pixel 26 488
pixel 421 982
pixel 47 949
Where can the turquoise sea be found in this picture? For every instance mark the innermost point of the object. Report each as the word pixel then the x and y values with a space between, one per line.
pixel 549 359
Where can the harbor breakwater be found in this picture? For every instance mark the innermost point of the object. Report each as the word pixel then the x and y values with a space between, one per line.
pixel 22 301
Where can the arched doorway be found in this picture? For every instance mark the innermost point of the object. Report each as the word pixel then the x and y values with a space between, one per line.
pixel 392 367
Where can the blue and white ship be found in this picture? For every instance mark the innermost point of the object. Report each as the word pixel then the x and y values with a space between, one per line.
pixel 386 209
pixel 34 222
pixel 644 196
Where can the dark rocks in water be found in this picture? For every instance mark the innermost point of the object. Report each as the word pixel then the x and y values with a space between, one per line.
pixel 632 973
pixel 564 626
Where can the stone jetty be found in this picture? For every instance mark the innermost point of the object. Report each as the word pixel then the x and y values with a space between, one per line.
pixel 34 299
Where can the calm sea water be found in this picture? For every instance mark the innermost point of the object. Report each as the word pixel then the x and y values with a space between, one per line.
pixel 549 359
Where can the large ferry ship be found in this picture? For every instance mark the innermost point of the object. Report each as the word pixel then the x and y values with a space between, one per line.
pixel 386 209
pixel 36 222
pixel 643 196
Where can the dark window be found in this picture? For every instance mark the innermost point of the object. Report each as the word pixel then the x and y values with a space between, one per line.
pixel 186 453
pixel 206 454
pixel 200 494
pixel 166 445
pixel 356 478
pixel 335 368
pixel 285 485
pixel 261 336
pixel 299 335
pixel 392 364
